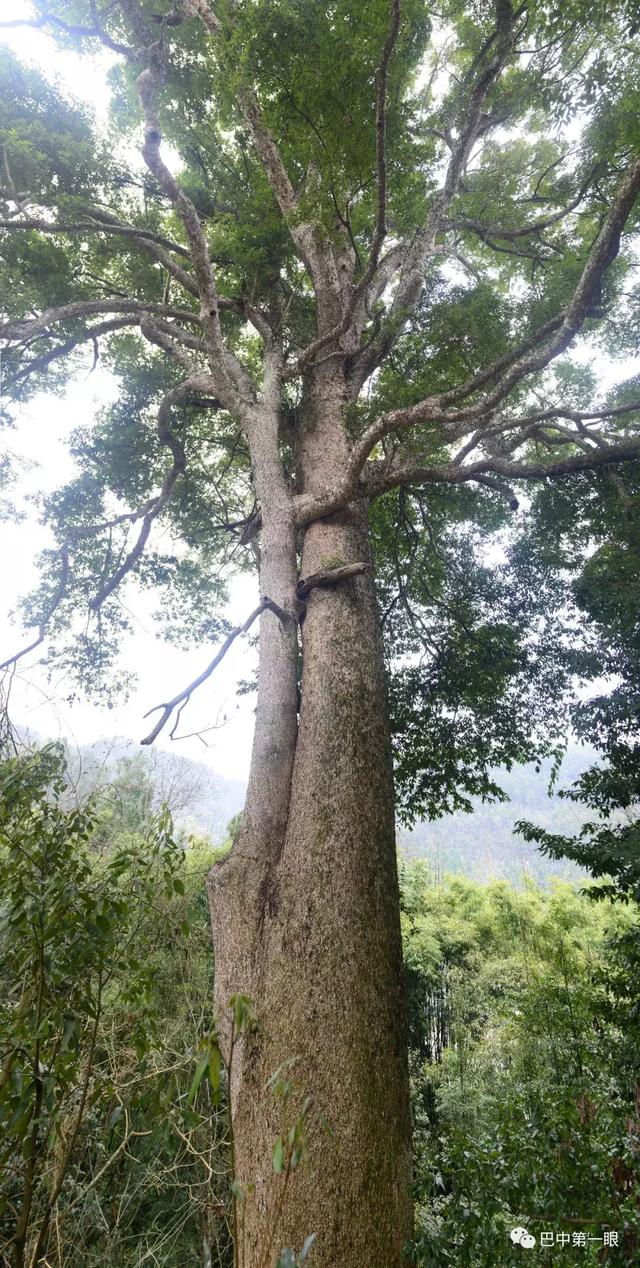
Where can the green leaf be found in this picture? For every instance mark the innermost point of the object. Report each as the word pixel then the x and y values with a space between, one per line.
pixel 215 1066
pixel 201 1069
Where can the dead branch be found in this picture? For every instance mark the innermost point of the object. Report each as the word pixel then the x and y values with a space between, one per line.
pixel 182 698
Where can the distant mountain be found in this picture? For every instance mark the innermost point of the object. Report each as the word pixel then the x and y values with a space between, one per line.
pixel 484 846
pixel 200 799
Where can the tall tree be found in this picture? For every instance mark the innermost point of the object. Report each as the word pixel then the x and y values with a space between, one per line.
pixel 355 279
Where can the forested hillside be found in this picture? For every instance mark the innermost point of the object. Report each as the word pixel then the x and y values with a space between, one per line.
pixel 482 844
pixel 485 844
pixel 201 800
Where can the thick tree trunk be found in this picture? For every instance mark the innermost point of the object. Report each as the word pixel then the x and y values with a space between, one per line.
pixel 310 931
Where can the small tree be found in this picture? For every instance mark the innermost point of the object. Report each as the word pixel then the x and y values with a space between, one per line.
pixel 359 288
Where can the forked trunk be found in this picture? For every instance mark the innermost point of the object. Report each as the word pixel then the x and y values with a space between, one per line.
pixel 309 928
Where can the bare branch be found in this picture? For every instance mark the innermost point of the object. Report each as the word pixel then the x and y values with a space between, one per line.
pixel 182 698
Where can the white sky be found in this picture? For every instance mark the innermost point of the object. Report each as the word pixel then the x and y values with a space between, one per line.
pixel 41 437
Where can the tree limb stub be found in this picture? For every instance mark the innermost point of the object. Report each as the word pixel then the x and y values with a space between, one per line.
pixel 329 577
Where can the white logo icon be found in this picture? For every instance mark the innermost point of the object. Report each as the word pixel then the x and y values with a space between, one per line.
pixel 520 1237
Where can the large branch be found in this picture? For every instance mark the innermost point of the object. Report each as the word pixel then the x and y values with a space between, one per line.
pixel 161 248
pixel 598 449
pixel 382 79
pixel 302 233
pixel 536 357
pixel 200 9
pixel 412 273
pixel 233 382
pixel 90 334
pixel 103 222
pixel 418 472
pixel 533 355
pixel 86 32
pixel 162 337
pixel 20 329
pixel 157 245
pixel 329 265
pixel 504 233
pixel 166 335
pixel 361 292
pixel 183 391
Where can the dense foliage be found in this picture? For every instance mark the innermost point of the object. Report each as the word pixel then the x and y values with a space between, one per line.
pixel 105 995
pixel 115 1136
pixel 602 529
pixel 526 1104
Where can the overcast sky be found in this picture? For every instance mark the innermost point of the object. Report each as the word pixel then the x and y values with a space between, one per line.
pixel 41 438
